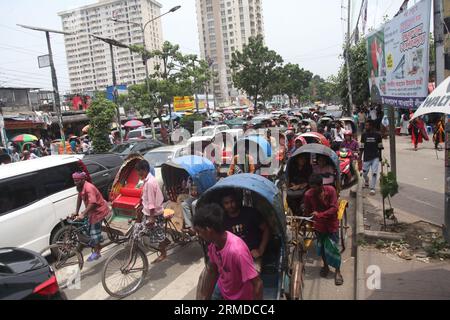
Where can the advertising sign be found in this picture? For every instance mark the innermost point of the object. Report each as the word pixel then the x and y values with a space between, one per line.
pixel 398 58
pixel 182 104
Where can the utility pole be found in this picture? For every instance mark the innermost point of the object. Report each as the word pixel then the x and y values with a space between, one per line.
pixel 56 99
pixel 119 122
pixel 347 59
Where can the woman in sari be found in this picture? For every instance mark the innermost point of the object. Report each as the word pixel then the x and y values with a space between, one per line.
pixel 418 132
pixel 439 133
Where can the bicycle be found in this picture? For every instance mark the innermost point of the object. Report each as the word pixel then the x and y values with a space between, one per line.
pixel 70 240
pixel 124 272
pixel 302 235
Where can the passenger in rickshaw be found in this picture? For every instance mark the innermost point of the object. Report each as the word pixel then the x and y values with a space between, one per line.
pixel 298 183
pixel 248 224
pixel 245 165
pixel 325 169
pixel 188 208
pixel 152 209
pixel 297 145
pixel 322 202
pixel 272 141
pixel 230 273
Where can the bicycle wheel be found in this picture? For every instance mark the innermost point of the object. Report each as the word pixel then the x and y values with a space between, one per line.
pixel 124 272
pixel 297 276
pixel 343 231
pixel 66 261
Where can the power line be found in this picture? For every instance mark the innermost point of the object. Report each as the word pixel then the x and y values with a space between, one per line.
pixel 29 52
pixel 31 81
pixel 30 73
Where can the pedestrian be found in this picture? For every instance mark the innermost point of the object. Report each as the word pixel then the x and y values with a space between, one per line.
pixel 373 113
pixel 230 272
pixel 111 138
pixel 418 132
pixel 96 209
pixel 152 209
pixel 321 202
pixel 15 155
pixel 370 152
pixel 404 125
pixel 85 146
pixel 439 134
pixel 361 120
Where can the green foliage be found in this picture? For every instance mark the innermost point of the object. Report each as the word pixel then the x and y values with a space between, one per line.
pixel 359 76
pixel 436 246
pixel 101 114
pixel 388 182
pixel 293 81
pixel 187 122
pixel 323 90
pixel 255 69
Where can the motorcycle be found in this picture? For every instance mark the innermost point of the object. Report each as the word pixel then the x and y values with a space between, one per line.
pixel 349 176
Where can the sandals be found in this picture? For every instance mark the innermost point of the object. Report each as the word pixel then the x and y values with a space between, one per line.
pixel 324 272
pixel 338 280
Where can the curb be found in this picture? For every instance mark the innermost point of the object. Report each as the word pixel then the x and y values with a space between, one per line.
pixel 359 274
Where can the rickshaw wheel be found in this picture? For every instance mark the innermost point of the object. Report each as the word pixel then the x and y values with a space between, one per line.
pixel 297 281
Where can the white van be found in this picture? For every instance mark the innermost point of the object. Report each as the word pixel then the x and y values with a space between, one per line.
pixel 34 196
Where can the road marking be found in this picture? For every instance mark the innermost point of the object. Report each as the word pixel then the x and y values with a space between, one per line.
pixel 183 284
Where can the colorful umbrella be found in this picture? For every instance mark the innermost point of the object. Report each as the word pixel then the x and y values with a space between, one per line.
pixel 25 138
pixel 86 129
pixel 133 124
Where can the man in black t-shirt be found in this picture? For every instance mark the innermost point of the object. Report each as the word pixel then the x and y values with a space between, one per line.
pixel 248 224
pixel 370 152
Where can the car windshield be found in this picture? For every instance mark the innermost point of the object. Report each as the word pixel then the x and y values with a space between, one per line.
pixel 157 159
pixel 123 148
pixel 134 134
pixel 204 132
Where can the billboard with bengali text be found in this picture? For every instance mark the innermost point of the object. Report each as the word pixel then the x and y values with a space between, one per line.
pixel 398 58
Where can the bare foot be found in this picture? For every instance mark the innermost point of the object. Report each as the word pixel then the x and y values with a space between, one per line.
pixel 160 259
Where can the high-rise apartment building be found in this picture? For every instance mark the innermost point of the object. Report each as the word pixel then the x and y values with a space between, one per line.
pixel 224 27
pixel 89 60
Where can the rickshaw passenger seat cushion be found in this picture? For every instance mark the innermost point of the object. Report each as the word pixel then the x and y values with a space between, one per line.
pixel 131 192
pixel 123 202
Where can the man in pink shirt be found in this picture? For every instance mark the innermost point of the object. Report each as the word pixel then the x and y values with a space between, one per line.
pixel 152 201
pixel 96 210
pixel 230 261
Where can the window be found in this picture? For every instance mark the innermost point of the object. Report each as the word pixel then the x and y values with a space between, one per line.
pixel 57 179
pixel 94 168
pixel 18 193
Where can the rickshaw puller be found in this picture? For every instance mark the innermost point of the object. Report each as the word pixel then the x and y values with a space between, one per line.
pixel 231 274
pixel 152 200
pixel 96 209
pixel 321 202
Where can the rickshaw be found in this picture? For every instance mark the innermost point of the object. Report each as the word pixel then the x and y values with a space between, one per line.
pixel 125 270
pixel 310 124
pixel 263 154
pixel 264 196
pixel 296 198
pixel 349 124
pixel 315 137
pixel 325 121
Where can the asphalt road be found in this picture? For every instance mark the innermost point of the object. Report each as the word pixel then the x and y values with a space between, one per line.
pixel 421 180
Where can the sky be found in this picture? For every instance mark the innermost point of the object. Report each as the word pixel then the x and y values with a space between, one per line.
pixel 306 32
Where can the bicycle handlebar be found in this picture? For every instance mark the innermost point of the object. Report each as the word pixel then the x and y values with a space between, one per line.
pixel 295 218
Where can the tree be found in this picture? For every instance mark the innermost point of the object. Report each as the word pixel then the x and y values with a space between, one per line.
pixel 199 73
pixel 101 114
pixel 255 68
pixel 293 81
pixel 358 74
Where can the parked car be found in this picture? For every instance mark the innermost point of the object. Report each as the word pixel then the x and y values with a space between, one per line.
pixel 208 133
pixel 103 169
pixel 35 195
pixel 26 275
pixel 142 133
pixel 157 157
pixel 139 146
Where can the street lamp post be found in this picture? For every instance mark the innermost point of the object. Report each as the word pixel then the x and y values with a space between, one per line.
pixel 114 43
pixel 144 58
pixel 56 100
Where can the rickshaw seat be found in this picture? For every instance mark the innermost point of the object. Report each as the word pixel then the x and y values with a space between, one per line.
pixel 131 192
pixel 127 203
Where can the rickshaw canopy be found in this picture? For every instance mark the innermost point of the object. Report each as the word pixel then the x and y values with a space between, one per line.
pixel 317 136
pixel 202 171
pixel 260 141
pixel 315 148
pixel 266 198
